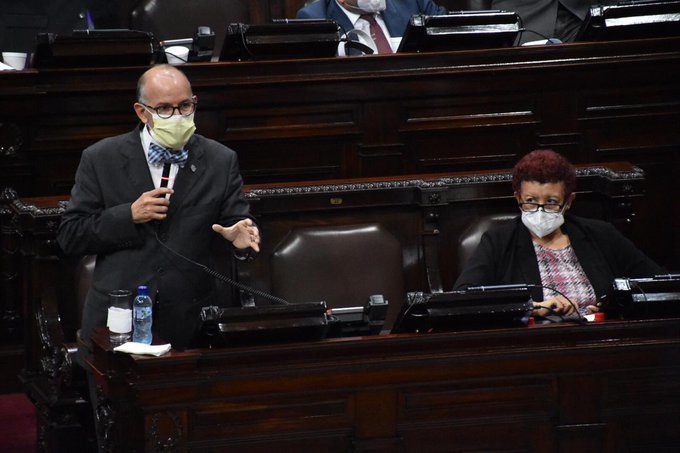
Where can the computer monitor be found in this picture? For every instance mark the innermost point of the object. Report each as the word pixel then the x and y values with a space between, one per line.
pixel 631 20
pixel 474 308
pixel 94 48
pixel 641 298
pixel 224 326
pixel 459 31
pixel 314 38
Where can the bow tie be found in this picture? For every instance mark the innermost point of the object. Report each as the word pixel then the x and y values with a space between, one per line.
pixel 160 155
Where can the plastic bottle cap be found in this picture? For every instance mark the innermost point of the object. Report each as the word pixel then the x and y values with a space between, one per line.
pixel 143 290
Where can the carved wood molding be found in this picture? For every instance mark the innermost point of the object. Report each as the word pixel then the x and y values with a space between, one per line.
pixel 634 173
pixel 166 431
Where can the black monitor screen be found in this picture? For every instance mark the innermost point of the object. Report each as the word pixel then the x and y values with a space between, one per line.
pixel 281 40
pixel 460 31
pixel 94 48
pixel 653 297
pixel 245 325
pixel 481 307
pixel 631 20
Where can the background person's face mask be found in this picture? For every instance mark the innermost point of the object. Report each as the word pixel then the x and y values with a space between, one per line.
pixel 173 132
pixel 542 223
pixel 371 6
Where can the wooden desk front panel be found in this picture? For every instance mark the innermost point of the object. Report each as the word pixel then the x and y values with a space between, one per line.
pixel 379 115
pixel 558 388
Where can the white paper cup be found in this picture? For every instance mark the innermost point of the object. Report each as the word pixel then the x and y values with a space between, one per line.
pixel 119 320
pixel 17 60
pixel 177 54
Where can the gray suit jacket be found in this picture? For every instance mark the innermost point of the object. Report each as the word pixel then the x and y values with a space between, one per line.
pixel 112 174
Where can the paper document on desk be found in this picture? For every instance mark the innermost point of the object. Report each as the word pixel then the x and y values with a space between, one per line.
pixel 143 349
pixel 6 67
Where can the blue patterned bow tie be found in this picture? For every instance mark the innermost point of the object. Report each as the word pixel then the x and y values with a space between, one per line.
pixel 159 155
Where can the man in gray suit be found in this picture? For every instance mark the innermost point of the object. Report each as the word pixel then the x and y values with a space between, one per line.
pixel 120 211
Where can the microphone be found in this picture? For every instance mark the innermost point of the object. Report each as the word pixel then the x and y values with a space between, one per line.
pixel 165 178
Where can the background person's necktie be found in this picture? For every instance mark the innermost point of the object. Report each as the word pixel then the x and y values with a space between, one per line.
pixel 377 34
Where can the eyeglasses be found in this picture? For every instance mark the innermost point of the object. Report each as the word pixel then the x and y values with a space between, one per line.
pixel 547 207
pixel 166 111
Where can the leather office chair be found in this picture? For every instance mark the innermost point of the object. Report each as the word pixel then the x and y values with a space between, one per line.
pixel 177 19
pixel 341 265
pixel 470 237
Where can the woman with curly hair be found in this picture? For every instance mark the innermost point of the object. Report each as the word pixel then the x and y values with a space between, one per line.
pixel 573 261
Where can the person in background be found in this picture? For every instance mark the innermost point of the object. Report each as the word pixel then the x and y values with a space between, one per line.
pixel 391 16
pixel 120 211
pixel 547 246
pixel 545 19
pixel 20 21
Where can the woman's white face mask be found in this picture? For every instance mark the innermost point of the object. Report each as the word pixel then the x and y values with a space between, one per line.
pixel 542 223
pixel 543 195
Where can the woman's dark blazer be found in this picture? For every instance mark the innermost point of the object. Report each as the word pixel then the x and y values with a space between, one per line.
pixel 506 255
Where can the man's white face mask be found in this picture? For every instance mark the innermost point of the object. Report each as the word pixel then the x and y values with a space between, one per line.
pixel 542 223
pixel 371 6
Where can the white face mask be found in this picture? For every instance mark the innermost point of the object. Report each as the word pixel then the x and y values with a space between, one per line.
pixel 173 132
pixel 542 223
pixel 372 6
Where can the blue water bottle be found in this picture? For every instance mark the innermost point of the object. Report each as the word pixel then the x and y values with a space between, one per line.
pixel 142 316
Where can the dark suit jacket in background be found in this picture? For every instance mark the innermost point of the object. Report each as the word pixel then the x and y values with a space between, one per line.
pixel 112 174
pixel 541 15
pixel 21 20
pixel 396 14
pixel 506 255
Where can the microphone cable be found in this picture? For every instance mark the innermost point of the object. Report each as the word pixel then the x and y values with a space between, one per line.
pixel 217 275
pixel 644 296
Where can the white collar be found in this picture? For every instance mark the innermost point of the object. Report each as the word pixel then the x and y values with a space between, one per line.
pixel 147 139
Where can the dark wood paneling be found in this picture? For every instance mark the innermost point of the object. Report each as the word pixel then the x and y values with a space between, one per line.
pixel 549 388
pixel 382 115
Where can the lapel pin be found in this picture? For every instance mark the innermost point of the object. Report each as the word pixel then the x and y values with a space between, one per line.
pixel 193 168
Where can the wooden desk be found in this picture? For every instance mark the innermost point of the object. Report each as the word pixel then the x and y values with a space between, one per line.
pixel 425 212
pixel 607 387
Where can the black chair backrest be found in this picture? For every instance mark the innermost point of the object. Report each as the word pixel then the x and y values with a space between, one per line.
pixel 470 237
pixel 341 265
pixel 177 19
